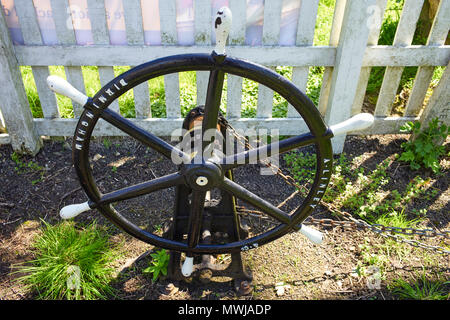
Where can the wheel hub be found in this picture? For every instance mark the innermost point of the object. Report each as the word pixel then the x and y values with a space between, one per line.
pixel 203 176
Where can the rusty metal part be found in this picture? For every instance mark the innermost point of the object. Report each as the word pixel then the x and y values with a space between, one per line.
pixel 244 288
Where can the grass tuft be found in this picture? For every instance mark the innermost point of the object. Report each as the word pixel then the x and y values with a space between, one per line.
pixel 420 288
pixel 70 263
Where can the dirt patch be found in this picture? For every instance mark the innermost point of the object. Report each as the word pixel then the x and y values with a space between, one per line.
pixel 37 189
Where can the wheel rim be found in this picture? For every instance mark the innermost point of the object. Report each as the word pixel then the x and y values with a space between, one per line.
pixel 97 108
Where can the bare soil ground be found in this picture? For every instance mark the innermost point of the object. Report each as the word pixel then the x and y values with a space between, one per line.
pixel 289 268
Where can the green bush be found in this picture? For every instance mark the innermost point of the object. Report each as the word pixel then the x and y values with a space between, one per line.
pixel 424 150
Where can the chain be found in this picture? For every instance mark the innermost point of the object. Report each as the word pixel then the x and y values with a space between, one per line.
pixel 350 222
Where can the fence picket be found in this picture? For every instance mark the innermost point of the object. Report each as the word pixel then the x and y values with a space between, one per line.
pixel 403 37
pixel 439 105
pixel 99 26
pixel 32 36
pixel 100 34
pixel 133 22
pixel 270 36
pixel 142 105
pixel 28 22
pixel 349 58
pixel 168 21
pixel 61 15
pixel 46 97
pixel 236 37
pixel 66 35
pixel 75 77
pixel 202 84
pixel 234 96
pixel 265 101
pixel 237 32
pixel 167 13
pixel 438 35
pixel 272 21
pixel 305 37
pixel 172 89
pixel 336 26
pixel 135 36
pixel 374 34
pixel 106 74
pixel 202 36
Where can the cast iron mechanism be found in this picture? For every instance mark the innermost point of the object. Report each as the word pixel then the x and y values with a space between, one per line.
pixel 219 223
pixel 201 226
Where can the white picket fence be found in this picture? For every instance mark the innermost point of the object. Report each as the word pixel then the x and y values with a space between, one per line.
pixel 348 59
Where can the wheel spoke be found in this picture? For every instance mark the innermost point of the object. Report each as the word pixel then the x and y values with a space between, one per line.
pixel 251 198
pixel 143 136
pixel 212 106
pixel 264 152
pixel 141 189
pixel 195 217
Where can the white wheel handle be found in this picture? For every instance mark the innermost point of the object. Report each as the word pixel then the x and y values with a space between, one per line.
pixel 188 266
pixel 61 86
pixel 313 235
pixel 73 210
pixel 222 25
pixel 359 122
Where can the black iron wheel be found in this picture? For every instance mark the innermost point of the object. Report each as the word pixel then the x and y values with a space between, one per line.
pixel 318 137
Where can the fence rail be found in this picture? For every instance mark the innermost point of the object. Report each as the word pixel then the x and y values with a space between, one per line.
pixel 348 59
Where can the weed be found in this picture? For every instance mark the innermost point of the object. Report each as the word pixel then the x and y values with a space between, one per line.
pixel 360 191
pixel 424 150
pixel 107 143
pixel 158 264
pixel 397 219
pixel 158 228
pixel 70 263
pixel 23 167
pixel 421 288
pixel 302 165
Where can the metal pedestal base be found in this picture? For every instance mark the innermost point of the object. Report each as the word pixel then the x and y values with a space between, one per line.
pixel 221 224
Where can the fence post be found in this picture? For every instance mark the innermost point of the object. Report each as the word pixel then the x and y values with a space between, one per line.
pixel 349 57
pixel 14 103
pixel 439 103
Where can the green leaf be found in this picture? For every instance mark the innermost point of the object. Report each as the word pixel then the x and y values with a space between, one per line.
pixel 155 274
pixel 407 156
pixel 428 148
pixel 159 264
pixel 415 165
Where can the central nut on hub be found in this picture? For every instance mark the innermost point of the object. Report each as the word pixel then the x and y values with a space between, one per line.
pixel 202 181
